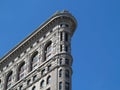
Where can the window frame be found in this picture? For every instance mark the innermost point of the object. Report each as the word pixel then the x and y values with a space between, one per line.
pixel 9 79
pixel 21 70
pixel 34 60
pixel 48 80
pixel 42 84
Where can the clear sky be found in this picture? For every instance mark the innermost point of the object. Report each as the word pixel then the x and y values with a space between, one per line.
pixel 95 44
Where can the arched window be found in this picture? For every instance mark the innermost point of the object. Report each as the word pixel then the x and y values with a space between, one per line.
pixel 21 87
pixel 42 84
pixel 48 49
pixel 43 72
pixel 60 73
pixel 21 70
pixel 34 88
pixel 34 60
pixel 9 80
pixel 48 79
pixel 35 78
pixel 67 75
pixel 49 67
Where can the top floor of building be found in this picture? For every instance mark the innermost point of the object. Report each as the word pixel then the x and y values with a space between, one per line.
pixel 41 36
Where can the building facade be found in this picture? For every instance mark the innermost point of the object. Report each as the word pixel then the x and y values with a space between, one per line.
pixel 43 60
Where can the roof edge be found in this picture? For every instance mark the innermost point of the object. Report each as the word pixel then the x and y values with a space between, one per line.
pixel 54 16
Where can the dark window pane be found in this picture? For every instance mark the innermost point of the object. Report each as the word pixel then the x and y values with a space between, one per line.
pixel 67 61
pixel 60 48
pixel 43 72
pixel 61 36
pixel 60 73
pixel 35 78
pixel 67 73
pixel 48 79
pixel 60 85
pixel 66 37
pixel 67 86
pixel 42 84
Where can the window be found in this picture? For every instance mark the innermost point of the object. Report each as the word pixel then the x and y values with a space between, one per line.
pixel 49 67
pixel 66 37
pixel 66 48
pixel 67 74
pixel 34 88
pixel 60 73
pixel 48 79
pixel 67 86
pixel 9 79
pixel 60 85
pixel 21 87
pixel 42 84
pixel 21 71
pixel 61 36
pixel 66 61
pixel 43 72
pixel 28 82
pixel 35 78
pixel 47 50
pixel 34 61
pixel 60 48
pixel 60 61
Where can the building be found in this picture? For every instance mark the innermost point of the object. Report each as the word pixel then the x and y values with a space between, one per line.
pixel 43 60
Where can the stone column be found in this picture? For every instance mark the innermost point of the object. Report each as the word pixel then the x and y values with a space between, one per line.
pixel 4 81
pixel 63 45
pixel 15 73
pixel 28 64
pixel 39 57
pixel 43 53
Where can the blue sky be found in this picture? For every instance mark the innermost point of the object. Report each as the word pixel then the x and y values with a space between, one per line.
pixel 95 44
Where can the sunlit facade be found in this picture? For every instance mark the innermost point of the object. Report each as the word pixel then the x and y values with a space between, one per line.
pixel 43 60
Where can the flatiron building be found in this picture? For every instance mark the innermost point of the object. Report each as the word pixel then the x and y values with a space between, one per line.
pixel 43 60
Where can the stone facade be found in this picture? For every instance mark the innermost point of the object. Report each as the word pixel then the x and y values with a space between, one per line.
pixel 43 60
